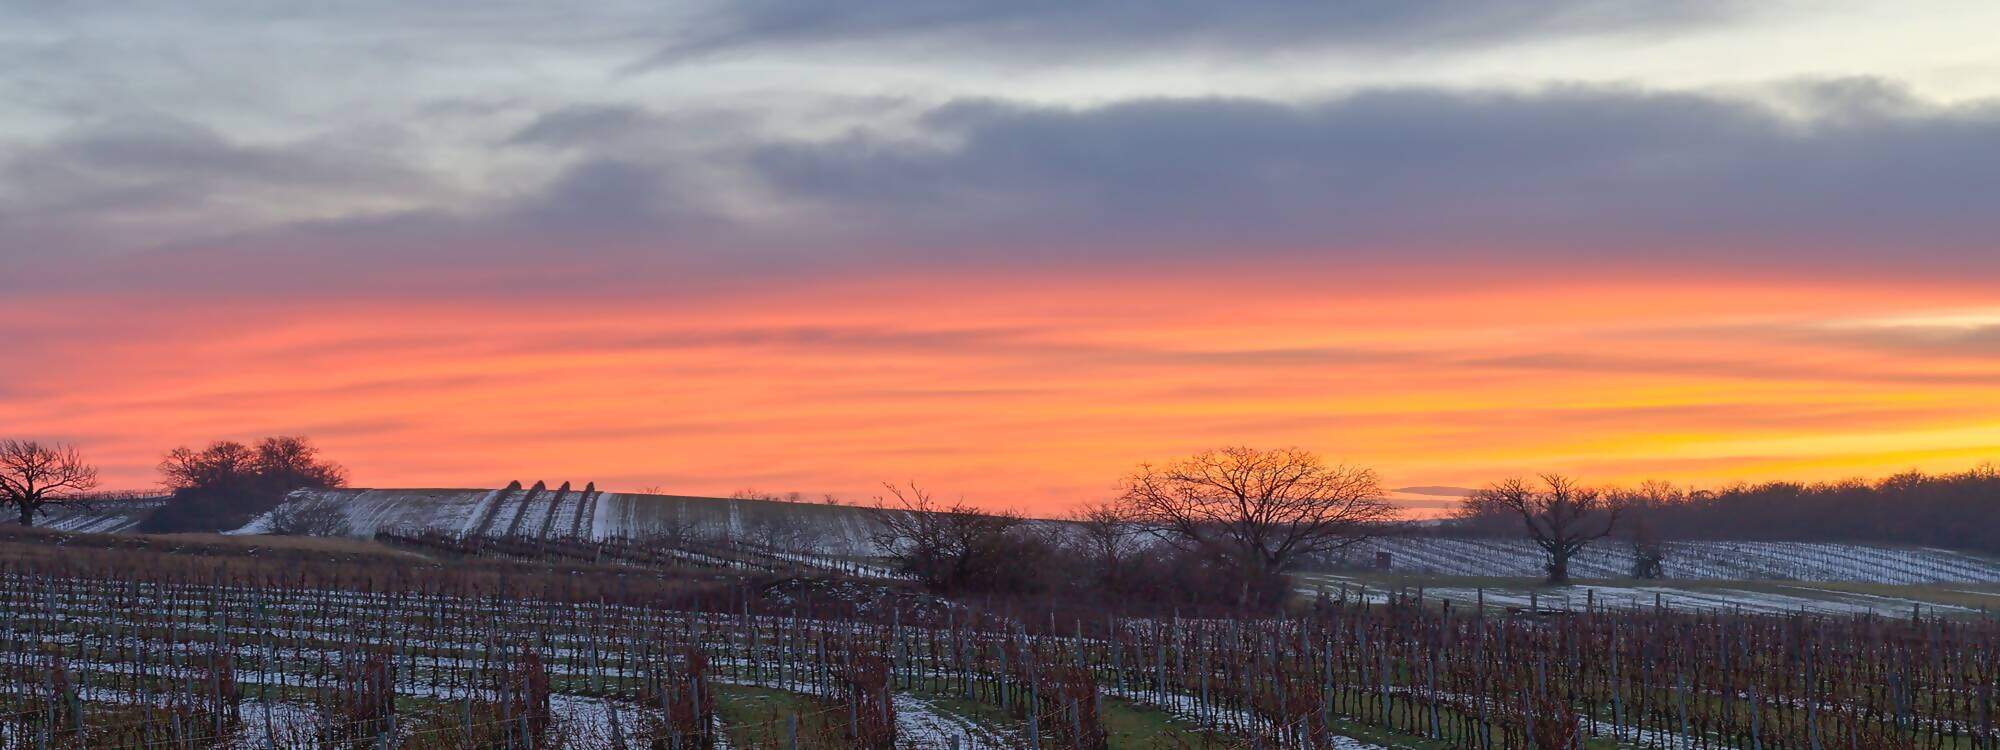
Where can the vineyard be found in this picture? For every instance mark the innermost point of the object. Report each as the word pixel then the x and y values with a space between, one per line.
pixel 735 555
pixel 539 512
pixel 1687 560
pixel 207 652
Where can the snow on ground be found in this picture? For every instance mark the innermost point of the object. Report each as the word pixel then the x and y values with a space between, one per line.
pixel 105 517
pixel 1786 598
pixel 840 529
pixel 587 722
pixel 918 721
pixel 272 724
pixel 836 530
pixel 1693 560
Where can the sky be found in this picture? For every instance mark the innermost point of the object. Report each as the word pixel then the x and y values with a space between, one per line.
pixel 1008 250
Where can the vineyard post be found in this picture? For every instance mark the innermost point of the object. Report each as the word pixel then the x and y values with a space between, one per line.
pixel 1756 716
pixel 1034 725
pixel 1387 707
pixel 617 727
pixel 1680 696
pixel 1812 713
pixel 1617 691
pixel 1986 705
pixel 1437 727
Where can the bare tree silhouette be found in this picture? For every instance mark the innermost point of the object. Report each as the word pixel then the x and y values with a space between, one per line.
pixel 1562 518
pixel 955 547
pixel 35 475
pixel 1107 534
pixel 1257 513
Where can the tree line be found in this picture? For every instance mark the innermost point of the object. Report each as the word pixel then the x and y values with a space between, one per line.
pixel 221 486
pixel 1220 530
pixel 1226 528
pixel 1951 510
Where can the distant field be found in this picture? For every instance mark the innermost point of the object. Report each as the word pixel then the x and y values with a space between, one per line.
pixel 817 529
pixel 1698 560
pixel 575 513
pixel 1762 597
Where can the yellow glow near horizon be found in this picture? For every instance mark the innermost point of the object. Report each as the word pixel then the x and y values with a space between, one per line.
pixel 1041 393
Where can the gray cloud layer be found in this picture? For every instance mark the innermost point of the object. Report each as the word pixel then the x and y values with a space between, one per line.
pixel 1602 174
pixel 1050 30
pixel 330 147
pixel 1845 175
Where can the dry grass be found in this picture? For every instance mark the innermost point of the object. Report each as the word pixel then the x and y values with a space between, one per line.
pixel 314 545
pixel 331 549
pixel 348 564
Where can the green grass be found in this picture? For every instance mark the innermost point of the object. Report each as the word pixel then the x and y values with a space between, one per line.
pixel 1129 726
pixel 985 715
pixel 756 717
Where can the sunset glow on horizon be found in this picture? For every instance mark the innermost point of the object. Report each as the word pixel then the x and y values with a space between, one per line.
pixel 1008 253
pixel 1039 394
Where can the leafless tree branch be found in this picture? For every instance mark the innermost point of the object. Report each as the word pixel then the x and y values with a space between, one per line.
pixel 35 475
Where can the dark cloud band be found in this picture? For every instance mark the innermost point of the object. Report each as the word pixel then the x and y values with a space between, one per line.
pixel 1846 176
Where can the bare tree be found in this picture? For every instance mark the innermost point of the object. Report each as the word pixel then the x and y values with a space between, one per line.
pixel 671 530
pixel 956 547
pixel 1258 513
pixel 1107 532
pixel 311 516
pixel 1649 554
pixel 778 529
pixel 228 483
pixel 1639 508
pixel 223 463
pixel 1562 519
pixel 290 462
pixel 35 475
pixel 276 464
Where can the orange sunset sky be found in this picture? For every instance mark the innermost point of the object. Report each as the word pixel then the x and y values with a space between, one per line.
pixel 1007 252
pixel 1037 392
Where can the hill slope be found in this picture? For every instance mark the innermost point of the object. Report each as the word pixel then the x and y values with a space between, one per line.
pixel 562 512
pixel 566 512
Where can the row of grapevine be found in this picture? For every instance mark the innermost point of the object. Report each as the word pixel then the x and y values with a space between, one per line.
pixel 89 655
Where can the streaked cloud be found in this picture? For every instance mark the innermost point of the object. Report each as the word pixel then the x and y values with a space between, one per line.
pixel 1005 248
pixel 1048 32
pixel 1603 175
pixel 1869 180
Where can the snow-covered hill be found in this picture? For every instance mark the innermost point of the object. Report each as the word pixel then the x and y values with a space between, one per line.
pixel 816 529
pixel 102 517
pixel 1697 560
pixel 566 512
